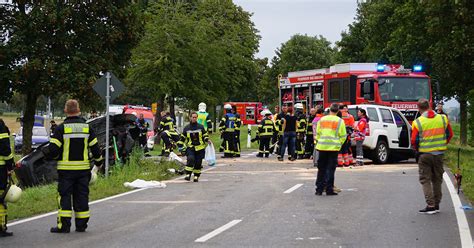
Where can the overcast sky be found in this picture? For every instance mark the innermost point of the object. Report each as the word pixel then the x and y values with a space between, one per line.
pixel 278 20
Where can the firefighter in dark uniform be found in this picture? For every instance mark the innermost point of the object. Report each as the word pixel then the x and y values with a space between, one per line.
pixel 279 127
pixel 265 132
pixel 227 129
pixel 300 130
pixel 70 146
pixel 309 145
pixel 195 138
pixel 143 127
pixel 168 133
pixel 238 125
pixel 6 168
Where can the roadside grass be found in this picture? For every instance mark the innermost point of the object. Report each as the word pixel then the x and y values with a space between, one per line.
pixel 217 141
pixel 42 199
pixel 466 162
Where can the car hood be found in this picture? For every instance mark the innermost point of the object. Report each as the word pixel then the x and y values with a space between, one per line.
pixel 34 139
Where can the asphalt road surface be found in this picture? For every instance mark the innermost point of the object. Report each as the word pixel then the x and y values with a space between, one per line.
pixel 256 202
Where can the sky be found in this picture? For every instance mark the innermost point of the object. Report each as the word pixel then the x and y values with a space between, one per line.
pixel 278 20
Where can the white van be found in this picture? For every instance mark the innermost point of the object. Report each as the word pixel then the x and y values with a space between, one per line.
pixel 389 133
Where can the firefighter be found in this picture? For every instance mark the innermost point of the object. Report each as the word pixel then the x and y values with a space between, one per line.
pixel 238 125
pixel 330 135
pixel 143 130
pixel 195 138
pixel 345 155
pixel 6 168
pixel 70 145
pixel 431 133
pixel 168 133
pixel 265 132
pixel 300 130
pixel 309 145
pixel 280 131
pixel 319 115
pixel 204 118
pixel 227 129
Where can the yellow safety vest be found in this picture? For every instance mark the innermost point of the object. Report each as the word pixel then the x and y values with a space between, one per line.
pixel 330 133
pixel 3 159
pixel 77 131
pixel 266 128
pixel 432 133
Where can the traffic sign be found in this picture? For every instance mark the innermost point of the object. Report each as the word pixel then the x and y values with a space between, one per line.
pixel 116 87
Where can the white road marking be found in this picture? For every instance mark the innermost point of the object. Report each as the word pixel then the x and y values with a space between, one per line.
pixel 92 203
pixel 293 188
pixel 463 225
pixel 217 231
pixel 157 202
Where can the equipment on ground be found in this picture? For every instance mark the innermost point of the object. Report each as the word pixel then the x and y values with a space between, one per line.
pixel 13 192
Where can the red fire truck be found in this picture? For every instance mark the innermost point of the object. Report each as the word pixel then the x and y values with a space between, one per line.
pixel 249 111
pixel 357 83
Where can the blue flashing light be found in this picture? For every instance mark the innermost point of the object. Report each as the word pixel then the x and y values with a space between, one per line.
pixel 380 68
pixel 417 68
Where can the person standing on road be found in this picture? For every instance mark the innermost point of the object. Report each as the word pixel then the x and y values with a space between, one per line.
pixel 309 145
pixel 279 126
pixel 289 136
pixel 143 127
pixel 6 169
pixel 227 129
pixel 265 132
pixel 345 155
pixel 71 143
pixel 301 125
pixel 204 118
pixel 319 115
pixel 431 133
pixel 238 125
pixel 330 135
pixel 195 138
pixel 168 133
pixel 360 131
pixel 52 127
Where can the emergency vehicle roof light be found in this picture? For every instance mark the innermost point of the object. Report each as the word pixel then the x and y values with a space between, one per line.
pixel 417 68
pixel 380 68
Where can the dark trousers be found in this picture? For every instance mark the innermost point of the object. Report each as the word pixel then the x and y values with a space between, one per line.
pixel 73 189
pixel 327 163
pixel 142 141
pixel 194 161
pixel 264 147
pixel 279 145
pixel 300 144
pixel 309 146
pixel 229 144
pixel 3 204
pixel 168 140
pixel 289 139
pixel 237 142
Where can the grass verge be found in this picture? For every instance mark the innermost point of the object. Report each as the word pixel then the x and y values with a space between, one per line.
pixel 42 199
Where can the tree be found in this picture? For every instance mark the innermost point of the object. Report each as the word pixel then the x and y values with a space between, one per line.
pixel 53 47
pixel 301 52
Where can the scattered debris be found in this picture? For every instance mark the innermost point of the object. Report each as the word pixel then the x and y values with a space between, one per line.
pixel 466 207
pixel 139 183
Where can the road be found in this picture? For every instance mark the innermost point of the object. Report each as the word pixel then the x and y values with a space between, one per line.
pixel 255 202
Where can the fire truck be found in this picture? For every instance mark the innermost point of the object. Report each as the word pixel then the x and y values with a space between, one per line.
pixel 357 83
pixel 249 111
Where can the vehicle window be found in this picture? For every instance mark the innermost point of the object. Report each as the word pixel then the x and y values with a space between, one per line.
pixel 398 119
pixel 250 113
pixel 335 90
pixel 150 124
pixel 345 90
pixel 353 112
pixel 386 116
pixel 372 114
pixel 39 132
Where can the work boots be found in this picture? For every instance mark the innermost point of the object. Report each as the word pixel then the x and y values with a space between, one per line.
pixel 4 233
pixel 60 230
pixel 196 179
pixel 187 177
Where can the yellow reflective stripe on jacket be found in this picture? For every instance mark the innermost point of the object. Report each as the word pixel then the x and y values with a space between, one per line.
pixel 93 142
pixel 4 135
pixel 56 142
pixel 7 157
pixel 82 215
pixel 432 133
pixel 330 133
pixel 2 162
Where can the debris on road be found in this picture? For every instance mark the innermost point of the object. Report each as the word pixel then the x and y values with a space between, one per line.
pixel 139 184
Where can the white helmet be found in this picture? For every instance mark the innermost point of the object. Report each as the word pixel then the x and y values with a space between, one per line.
pixel 266 112
pixel 299 106
pixel 202 107
pixel 228 106
pixel 13 194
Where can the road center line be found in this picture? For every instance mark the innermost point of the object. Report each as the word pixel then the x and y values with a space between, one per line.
pixel 463 225
pixel 217 231
pixel 293 188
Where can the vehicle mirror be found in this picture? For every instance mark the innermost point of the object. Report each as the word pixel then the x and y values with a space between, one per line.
pixel 368 90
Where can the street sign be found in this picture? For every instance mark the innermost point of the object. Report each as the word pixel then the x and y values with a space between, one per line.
pixel 116 87
pixel 154 106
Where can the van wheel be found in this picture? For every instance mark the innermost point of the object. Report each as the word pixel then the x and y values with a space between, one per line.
pixel 381 152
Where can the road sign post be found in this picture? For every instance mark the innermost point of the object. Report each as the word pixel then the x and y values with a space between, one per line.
pixel 107 124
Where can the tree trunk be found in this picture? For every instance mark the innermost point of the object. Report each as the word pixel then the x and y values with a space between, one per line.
pixel 172 109
pixel 28 122
pixel 159 109
pixel 463 109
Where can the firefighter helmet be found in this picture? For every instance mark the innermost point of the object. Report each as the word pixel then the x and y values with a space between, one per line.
pixel 202 107
pixel 266 112
pixel 13 194
pixel 228 106
pixel 299 106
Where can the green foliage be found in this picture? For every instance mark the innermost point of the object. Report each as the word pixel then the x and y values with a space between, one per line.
pixel 198 51
pixel 301 52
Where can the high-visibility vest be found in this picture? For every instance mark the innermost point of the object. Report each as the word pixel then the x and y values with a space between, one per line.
pixel 3 159
pixel 266 128
pixel 330 133
pixel 80 133
pixel 309 128
pixel 202 119
pixel 432 133
pixel 301 124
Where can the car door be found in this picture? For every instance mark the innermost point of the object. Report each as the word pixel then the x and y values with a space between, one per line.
pixel 403 130
pixel 389 124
